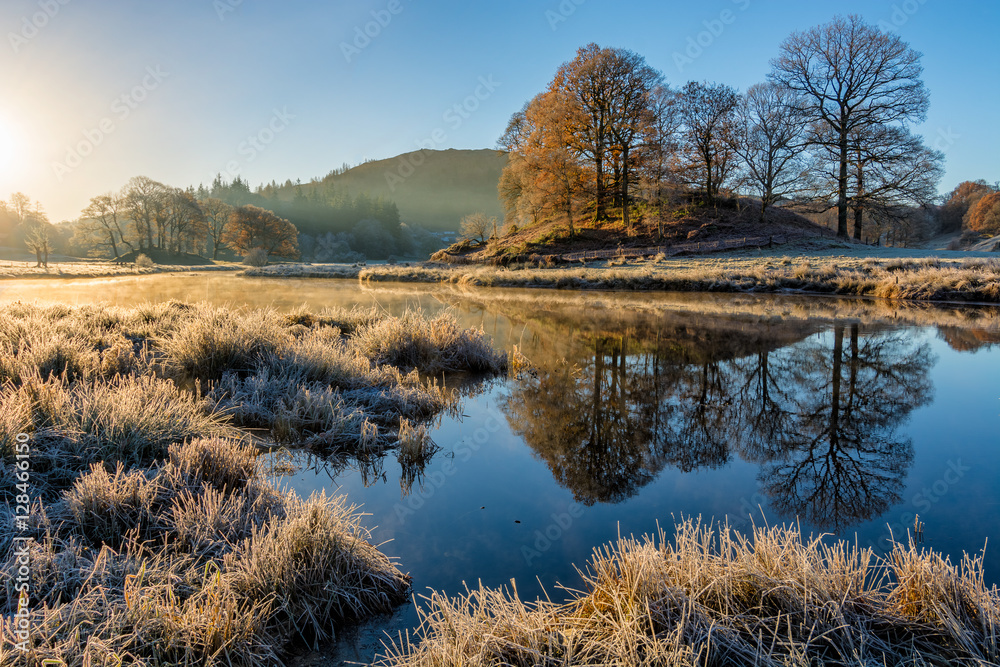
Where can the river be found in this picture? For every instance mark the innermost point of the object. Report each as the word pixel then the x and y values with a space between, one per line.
pixel 850 417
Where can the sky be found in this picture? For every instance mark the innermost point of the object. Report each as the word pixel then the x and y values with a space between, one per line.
pixel 93 92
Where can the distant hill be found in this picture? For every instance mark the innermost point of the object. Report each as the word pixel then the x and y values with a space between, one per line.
pixel 433 189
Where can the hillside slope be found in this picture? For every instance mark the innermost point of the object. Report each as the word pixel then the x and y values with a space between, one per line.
pixel 432 189
pixel 686 219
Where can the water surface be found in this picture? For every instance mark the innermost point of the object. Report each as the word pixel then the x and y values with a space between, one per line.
pixel 849 417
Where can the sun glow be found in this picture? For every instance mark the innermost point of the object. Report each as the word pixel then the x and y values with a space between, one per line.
pixel 10 148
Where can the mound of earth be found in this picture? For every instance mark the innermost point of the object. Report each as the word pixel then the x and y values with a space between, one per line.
pixel 688 220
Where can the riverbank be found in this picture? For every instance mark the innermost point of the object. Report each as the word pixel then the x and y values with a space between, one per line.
pixel 890 274
pixel 82 269
pixel 711 596
pixel 153 533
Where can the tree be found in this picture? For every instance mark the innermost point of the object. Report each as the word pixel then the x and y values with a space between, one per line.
pixel 662 144
pixel 608 109
pixel 217 215
pixel 254 227
pixel 707 116
pixel 476 226
pixel 143 200
pixel 768 138
pixel 959 201
pixel 893 174
pixel 102 224
pixel 851 77
pixel 38 237
pixel 984 216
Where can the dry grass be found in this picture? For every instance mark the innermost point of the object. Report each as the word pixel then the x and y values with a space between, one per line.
pixel 934 279
pixel 156 539
pixel 98 269
pixel 195 561
pixel 714 597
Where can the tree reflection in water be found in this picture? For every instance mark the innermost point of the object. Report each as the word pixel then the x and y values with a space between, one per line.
pixel 819 413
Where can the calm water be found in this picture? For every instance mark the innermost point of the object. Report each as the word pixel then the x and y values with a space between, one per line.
pixel 850 417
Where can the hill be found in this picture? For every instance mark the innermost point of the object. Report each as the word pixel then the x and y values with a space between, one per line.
pixel 432 189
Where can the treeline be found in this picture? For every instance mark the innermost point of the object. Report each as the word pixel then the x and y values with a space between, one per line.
pixel 146 215
pixel 333 224
pixel 829 130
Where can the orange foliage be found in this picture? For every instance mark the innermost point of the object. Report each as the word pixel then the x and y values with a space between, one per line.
pixel 984 216
pixel 254 227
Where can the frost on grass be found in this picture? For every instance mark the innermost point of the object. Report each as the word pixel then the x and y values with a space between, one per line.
pixel 714 597
pixel 157 540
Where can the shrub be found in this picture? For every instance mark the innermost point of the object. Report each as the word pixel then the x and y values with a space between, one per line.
pixel 142 261
pixel 256 257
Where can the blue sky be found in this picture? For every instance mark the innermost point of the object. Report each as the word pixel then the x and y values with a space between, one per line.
pixel 175 90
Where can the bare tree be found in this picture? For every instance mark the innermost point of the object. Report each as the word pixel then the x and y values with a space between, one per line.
pixel 143 206
pixel 38 237
pixel 707 113
pixel 662 144
pixel 217 216
pixel 476 226
pixel 768 138
pixel 851 76
pixel 103 225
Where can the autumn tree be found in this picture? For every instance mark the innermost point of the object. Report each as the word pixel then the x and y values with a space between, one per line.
pixel 768 137
pixel 254 227
pixel 217 215
pixel 607 111
pixel 958 202
pixel 984 216
pixel 707 116
pixel 544 175
pixel 850 76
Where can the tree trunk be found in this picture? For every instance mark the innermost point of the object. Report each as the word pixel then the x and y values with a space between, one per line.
pixel 842 187
pixel 838 352
pixel 624 193
pixel 859 209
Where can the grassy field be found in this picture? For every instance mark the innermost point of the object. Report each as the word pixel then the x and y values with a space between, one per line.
pixel 84 269
pixel 715 597
pixel 153 536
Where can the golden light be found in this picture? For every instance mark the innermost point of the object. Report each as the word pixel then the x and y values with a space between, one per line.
pixel 11 153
